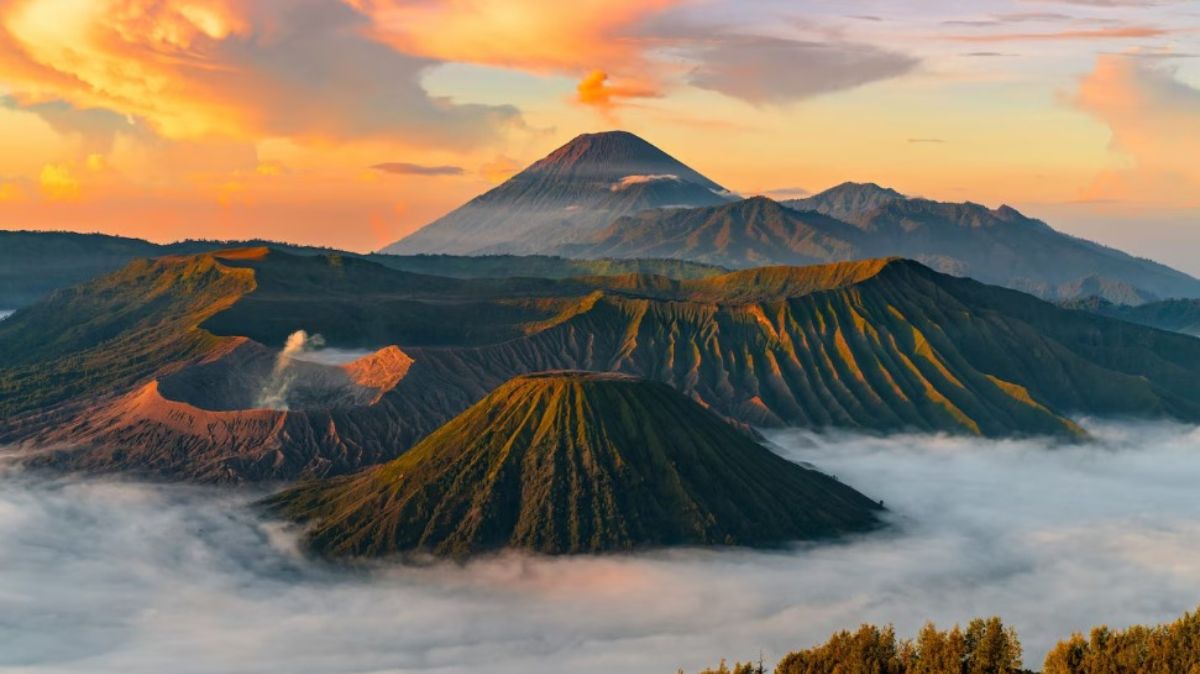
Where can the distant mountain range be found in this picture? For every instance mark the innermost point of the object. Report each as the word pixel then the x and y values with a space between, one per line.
pixel 580 202
pixel 160 368
pixel 566 196
pixel 1174 315
pixel 576 462
pixel 33 264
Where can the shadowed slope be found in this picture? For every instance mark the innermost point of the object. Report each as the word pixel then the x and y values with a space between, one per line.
pixel 576 462
pixel 851 221
pixel 1174 315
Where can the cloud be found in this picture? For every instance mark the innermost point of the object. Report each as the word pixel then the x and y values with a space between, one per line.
pixel 785 192
pixel 762 69
pixel 532 35
pixel 1155 122
pixel 1011 17
pixel 596 90
pixel 630 181
pixel 406 168
pixel 499 169
pixel 58 183
pixel 1108 3
pixel 188 580
pixel 276 68
pixel 11 191
pixel 1109 33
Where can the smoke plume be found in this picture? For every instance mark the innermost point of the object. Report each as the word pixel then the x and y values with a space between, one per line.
pixel 275 389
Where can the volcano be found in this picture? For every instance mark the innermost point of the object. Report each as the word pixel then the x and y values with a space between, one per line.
pixel 566 197
pixel 576 462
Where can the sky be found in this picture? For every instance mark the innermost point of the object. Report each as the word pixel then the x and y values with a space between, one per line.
pixel 351 123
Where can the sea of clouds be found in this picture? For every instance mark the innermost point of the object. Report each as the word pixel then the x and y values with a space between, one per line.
pixel 105 576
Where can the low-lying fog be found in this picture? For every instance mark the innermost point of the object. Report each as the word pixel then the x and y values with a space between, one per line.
pixel 99 576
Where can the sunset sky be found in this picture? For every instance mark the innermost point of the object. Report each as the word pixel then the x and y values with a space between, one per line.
pixel 353 122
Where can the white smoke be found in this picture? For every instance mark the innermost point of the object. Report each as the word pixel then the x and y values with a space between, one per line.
pixel 630 181
pixel 104 577
pixel 275 389
pixel 5 313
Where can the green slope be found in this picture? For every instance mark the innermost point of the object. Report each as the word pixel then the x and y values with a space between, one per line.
pixel 105 336
pixel 572 463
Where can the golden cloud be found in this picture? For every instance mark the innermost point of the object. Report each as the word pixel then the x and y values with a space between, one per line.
pixel 1155 122
pixel 499 169
pixel 203 68
pixel 538 35
pixel 10 192
pixel 58 183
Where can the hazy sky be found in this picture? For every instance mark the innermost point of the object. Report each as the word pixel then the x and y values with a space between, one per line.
pixel 224 118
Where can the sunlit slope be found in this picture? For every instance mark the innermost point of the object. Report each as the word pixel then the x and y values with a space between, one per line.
pixel 889 345
pixel 108 334
pixel 574 463
pixel 156 369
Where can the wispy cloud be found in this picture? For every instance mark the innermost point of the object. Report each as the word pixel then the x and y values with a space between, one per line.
pixel 762 69
pixel 1108 33
pixel 406 168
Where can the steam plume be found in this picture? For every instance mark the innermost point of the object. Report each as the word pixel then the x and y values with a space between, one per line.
pixel 275 390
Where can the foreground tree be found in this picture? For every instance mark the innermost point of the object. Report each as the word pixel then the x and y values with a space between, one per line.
pixel 987 647
pixel 1173 648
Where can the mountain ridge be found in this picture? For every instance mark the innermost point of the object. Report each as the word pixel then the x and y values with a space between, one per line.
pixel 877 346
pixel 999 246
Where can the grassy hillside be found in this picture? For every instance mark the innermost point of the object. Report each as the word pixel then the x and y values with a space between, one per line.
pixel 105 336
pixel 576 462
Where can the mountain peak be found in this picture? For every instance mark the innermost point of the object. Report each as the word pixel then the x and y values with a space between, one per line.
pixel 565 197
pixel 614 156
pixel 848 201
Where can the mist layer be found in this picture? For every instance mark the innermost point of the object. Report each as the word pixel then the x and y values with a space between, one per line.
pixel 102 576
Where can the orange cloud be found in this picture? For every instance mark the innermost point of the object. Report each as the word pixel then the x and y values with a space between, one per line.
pixel 1155 124
pixel 204 68
pixel 270 168
pixel 539 35
pixel 10 192
pixel 58 183
pixel 595 89
pixel 499 169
